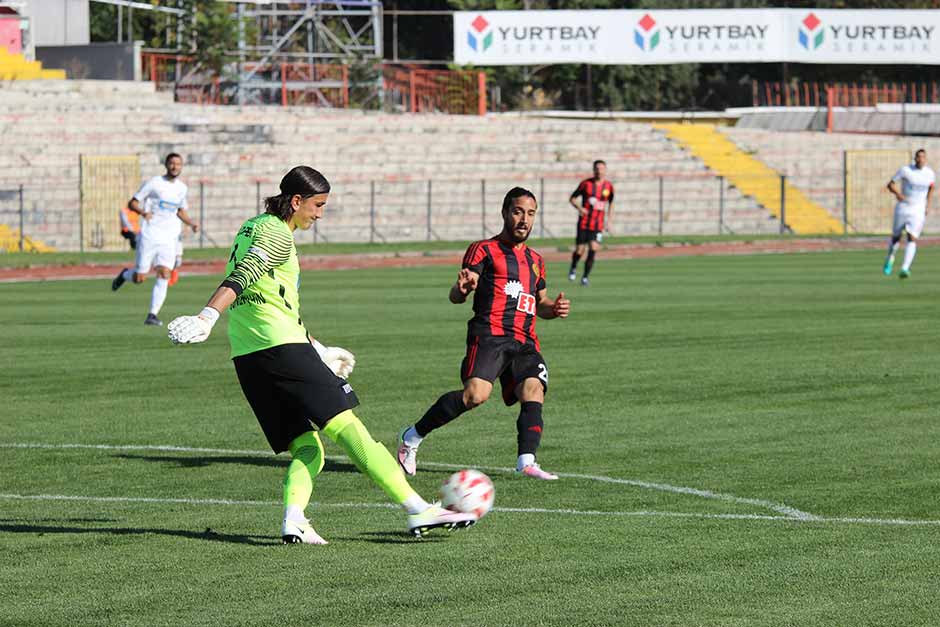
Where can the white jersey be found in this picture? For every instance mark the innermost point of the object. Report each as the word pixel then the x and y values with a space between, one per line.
pixel 915 183
pixel 162 199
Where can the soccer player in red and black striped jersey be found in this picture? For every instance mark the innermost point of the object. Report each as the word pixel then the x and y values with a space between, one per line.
pixel 596 198
pixel 508 279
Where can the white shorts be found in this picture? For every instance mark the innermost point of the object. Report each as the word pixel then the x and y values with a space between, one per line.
pixel 907 220
pixel 151 253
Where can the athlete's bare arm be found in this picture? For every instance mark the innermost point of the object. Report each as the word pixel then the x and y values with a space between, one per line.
pixel 222 298
pixel 575 204
pixel 893 188
pixel 134 206
pixel 466 282
pixel 548 308
pixel 187 220
pixel 929 196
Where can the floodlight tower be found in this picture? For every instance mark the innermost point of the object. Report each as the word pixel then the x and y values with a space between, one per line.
pixel 305 34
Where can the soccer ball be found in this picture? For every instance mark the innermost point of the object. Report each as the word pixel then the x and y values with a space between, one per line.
pixel 468 491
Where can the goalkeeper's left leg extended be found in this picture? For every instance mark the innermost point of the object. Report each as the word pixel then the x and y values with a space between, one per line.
pixel 374 460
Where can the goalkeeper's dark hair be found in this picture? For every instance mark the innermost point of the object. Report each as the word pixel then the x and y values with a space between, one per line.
pixel 517 192
pixel 301 180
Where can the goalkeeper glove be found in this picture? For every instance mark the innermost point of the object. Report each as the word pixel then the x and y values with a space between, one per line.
pixel 192 329
pixel 337 359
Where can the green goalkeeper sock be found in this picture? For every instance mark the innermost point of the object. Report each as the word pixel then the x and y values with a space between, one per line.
pixel 373 459
pixel 307 453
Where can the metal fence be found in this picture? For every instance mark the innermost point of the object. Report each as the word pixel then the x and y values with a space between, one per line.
pixel 386 210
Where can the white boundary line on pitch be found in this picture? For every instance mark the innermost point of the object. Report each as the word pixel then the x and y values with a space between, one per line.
pixel 780 508
pixel 508 510
pixel 789 513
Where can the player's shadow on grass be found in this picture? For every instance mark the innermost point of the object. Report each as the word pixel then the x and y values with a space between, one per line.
pixel 394 537
pixel 208 534
pixel 247 460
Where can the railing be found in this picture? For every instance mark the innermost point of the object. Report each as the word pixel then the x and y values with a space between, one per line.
pixel 815 94
pixel 407 89
pixel 405 209
pixel 417 90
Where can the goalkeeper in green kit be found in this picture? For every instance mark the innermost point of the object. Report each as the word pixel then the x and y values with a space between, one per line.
pixel 296 386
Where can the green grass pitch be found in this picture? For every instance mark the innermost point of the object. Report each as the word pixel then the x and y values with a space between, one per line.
pixel 759 383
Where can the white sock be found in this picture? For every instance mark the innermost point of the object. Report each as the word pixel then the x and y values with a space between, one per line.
pixel 128 274
pixel 909 251
pixel 411 437
pixel 295 513
pixel 158 295
pixel 526 459
pixel 414 504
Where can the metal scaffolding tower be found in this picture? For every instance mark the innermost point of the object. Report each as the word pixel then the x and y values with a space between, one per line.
pixel 296 47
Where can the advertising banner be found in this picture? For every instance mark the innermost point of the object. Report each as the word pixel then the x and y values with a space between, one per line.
pixel 630 37
pixel 869 37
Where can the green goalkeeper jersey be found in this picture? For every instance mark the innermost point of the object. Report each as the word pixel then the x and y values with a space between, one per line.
pixel 264 273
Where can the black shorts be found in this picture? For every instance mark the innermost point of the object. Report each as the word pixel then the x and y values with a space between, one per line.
pixel 512 362
pixel 587 235
pixel 290 389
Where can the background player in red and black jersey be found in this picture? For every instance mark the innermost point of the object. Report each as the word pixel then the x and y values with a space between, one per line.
pixel 509 280
pixel 593 199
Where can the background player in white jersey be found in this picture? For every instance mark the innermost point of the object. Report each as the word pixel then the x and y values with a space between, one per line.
pixel 161 202
pixel 916 187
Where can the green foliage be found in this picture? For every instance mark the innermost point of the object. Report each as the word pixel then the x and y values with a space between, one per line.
pixel 215 30
pixel 216 33
pixel 363 77
pixel 146 26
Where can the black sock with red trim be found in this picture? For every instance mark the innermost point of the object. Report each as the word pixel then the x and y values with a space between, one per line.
pixel 529 427
pixel 445 409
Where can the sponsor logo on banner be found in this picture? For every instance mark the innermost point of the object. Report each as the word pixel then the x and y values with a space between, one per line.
pixel 477 37
pixel 548 39
pixel 696 37
pixel 871 35
pixel 811 32
pixel 644 36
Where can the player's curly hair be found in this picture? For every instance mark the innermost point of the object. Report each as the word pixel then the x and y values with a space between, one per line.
pixel 301 180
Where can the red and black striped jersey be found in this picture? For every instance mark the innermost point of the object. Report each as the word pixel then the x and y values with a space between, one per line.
pixel 506 295
pixel 603 195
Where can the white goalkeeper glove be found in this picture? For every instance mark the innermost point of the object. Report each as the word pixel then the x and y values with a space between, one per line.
pixel 192 329
pixel 337 359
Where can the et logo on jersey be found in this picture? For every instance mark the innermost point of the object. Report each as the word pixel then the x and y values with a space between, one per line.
pixel 525 302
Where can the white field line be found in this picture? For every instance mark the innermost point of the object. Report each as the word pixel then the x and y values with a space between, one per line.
pixel 788 513
pixel 780 508
pixel 508 510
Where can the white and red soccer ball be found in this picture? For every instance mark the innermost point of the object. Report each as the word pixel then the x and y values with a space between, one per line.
pixel 468 491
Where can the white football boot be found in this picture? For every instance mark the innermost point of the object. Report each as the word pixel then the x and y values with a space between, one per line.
pixel 435 517
pixel 293 532
pixel 536 472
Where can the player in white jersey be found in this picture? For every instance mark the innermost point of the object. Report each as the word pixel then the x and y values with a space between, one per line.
pixel 161 202
pixel 916 187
